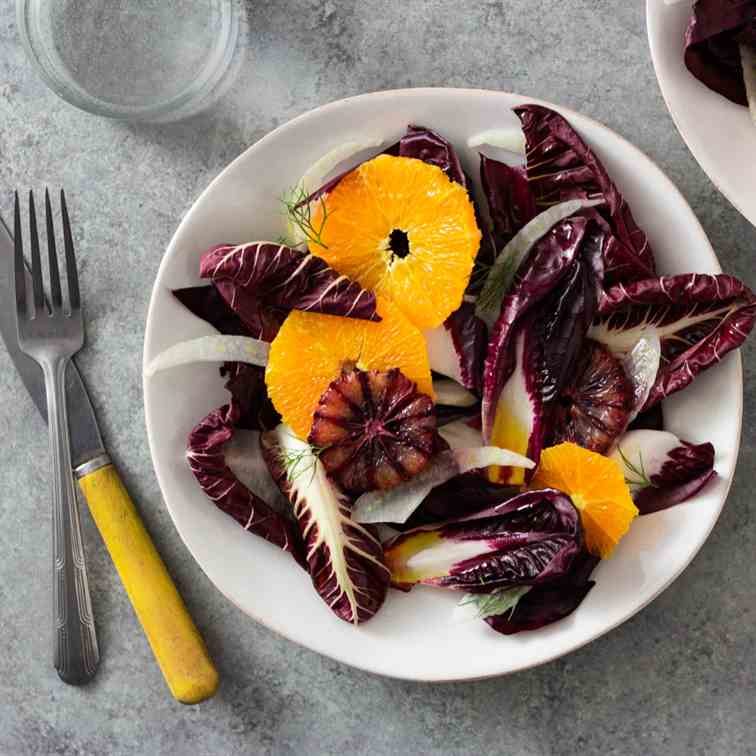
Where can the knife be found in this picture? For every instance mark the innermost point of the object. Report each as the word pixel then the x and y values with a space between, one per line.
pixel 175 640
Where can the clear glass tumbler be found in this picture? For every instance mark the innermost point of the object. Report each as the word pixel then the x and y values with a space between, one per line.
pixel 140 60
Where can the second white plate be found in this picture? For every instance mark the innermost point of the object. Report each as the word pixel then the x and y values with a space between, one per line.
pixel 719 133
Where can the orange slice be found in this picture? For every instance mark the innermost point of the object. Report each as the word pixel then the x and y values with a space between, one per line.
pixel 311 350
pixel 596 485
pixel 402 228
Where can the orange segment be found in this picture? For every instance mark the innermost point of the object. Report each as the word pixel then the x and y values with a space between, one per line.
pixel 311 350
pixel 402 228
pixel 597 487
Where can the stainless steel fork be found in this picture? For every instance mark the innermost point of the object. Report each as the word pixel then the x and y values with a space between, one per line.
pixel 51 336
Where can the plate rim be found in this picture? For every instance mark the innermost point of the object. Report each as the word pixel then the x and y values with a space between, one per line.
pixel 171 250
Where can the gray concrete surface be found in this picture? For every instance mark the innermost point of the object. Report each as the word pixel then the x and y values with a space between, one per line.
pixel 676 679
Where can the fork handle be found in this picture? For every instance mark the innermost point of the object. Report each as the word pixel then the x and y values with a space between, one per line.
pixel 76 654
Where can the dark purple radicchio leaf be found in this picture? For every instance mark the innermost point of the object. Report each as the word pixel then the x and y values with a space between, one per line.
pixel 661 470
pixel 699 318
pixel 461 496
pixel 551 602
pixel 344 559
pixel 715 32
pixel 426 145
pixel 511 203
pixel 262 278
pixel 567 314
pixel 246 384
pixel 419 143
pixel 513 374
pixel 206 460
pixel 469 336
pixel 207 304
pixel 562 167
pixel 530 539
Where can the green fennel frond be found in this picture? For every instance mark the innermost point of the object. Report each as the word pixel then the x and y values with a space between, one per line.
pixel 299 213
pixel 641 479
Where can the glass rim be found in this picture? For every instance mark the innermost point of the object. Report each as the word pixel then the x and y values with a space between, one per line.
pixel 186 102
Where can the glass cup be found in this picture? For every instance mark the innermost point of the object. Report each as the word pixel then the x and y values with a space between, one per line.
pixel 139 60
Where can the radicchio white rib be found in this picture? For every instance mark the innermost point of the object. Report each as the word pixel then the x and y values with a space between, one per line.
pixel 698 318
pixel 344 559
pixel 205 455
pixel 260 277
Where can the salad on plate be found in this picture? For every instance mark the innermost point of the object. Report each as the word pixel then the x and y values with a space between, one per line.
pixel 429 387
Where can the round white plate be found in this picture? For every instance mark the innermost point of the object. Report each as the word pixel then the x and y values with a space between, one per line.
pixel 415 636
pixel 719 133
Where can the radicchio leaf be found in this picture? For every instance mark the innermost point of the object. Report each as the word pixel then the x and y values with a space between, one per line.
pixel 457 348
pixel 207 304
pixel 426 145
pixel 261 277
pixel 715 32
pixel 205 454
pixel 561 167
pixel 530 539
pixel 344 559
pixel 511 204
pixel 512 373
pixel 498 282
pixel 661 470
pixel 462 495
pixel 698 318
pixel 550 602
pixel 246 384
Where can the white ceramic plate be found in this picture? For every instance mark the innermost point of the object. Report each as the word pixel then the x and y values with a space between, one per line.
pixel 414 635
pixel 719 133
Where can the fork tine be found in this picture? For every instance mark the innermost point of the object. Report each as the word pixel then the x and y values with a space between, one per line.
pixel 18 259
pixel 71 274
pixel 55 293
pixel 36 262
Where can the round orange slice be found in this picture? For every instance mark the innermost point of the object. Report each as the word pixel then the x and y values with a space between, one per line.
pixel 597 487
pixel 311 350
pixel 402 228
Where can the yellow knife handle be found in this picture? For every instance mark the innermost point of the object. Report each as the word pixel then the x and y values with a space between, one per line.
pixel 176 642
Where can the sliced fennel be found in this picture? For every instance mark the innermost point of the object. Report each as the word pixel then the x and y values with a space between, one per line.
pixel 459 435
pixel 641 365
pixel 508 138
pixel 244 457
pixel 452 394
pixel 442 355
pixel 398 503
pixel 502 273
pixel 211 349
pixel 315 176
pixel 748 59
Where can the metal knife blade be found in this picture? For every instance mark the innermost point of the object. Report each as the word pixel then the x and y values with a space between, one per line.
pixel 86 441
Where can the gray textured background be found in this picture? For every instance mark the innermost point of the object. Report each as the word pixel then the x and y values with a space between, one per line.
pixel 678 678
